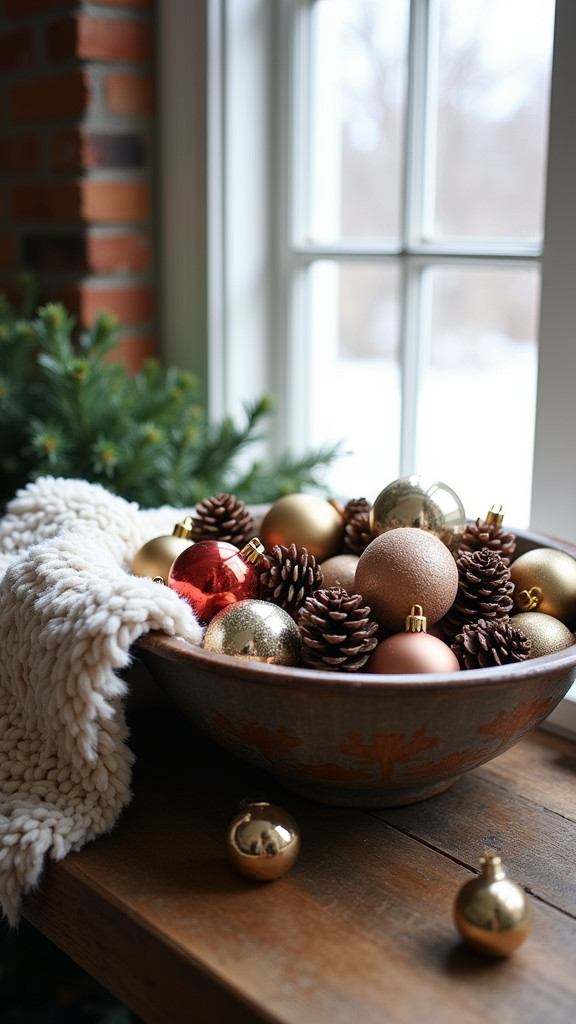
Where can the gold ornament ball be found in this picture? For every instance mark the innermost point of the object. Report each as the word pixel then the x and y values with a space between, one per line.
pixel 263 841
pixel 545 633
pixel 340 571
pixel 255 631
pixel 491 912
pixel 306 520
pixel 417 502
pixel 155 558
pixel 406 567
pixel 545 581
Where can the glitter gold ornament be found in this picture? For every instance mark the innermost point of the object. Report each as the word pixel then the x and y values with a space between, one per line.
pixel 404 567
pixel 155 558
pixel 306 520
pixel 255 631
pixel 546 634
pixel 262 841
pixel 426 505
pixel 414 650
pixel 545 581
pixel 491 912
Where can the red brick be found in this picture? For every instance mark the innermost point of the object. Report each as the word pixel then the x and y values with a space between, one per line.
pixel 73 149
pixel 133 351
pixel 132 304
pixel 17 51
pixel 131 95
pixel 21 8
pixel 115 201
pixel 19 154
pixel 99 39
pixel 56 201
pixel 50 98
pixel 112 254
pixel 9 252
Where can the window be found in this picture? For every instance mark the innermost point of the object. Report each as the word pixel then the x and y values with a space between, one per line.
pixel 423 319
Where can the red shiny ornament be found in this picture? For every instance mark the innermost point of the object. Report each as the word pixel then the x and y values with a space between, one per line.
pixel 211 575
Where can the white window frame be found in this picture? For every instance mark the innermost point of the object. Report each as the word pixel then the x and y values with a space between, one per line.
pixel 221 304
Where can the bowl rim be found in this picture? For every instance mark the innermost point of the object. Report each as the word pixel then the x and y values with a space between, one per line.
pixel 178 649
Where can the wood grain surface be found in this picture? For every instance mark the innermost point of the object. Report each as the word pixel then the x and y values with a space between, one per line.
pixel 359 931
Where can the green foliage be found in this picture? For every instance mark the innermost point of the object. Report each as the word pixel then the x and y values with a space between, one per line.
pixel 67 409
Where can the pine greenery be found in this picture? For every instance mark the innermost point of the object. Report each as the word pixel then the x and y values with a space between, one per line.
pixel 67 409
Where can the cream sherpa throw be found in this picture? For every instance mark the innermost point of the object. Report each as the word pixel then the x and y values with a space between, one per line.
pixel 69 612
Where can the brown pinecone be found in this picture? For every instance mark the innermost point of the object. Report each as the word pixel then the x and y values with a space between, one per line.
pixel 357 532
pixel 288 575
pixel 483 644
pixel 222 517
pixel 336 629
pixel 485 590
pixel 486 534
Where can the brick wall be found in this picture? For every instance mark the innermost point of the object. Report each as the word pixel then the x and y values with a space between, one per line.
pixel 76 158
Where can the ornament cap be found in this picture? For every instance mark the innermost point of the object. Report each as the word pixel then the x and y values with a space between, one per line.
pixel 492 868
pixel 495 515
pixel 253 551
pixel 416 620
pixel 184 529
pixel 528 600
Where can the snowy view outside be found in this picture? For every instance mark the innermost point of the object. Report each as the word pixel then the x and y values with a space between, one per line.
pixel 476 182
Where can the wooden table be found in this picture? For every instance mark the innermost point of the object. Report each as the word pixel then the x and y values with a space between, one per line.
pixel 358 932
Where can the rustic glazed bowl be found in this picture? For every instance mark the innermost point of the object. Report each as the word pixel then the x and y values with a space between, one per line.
pixel 361 740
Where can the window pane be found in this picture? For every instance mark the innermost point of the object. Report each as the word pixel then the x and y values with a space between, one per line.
pixel 478 401
pixel 354 379
pixel 357 107
pixel 492 62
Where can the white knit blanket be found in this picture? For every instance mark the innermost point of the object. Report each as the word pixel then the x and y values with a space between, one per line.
pixel 69 613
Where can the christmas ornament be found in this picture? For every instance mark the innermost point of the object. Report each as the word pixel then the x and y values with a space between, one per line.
pixel 485 643
pixel 426 505
pixel 339 571
pixel 403 567
pixel 336 629
pixel 306 520
pixel 545 581
pixel 491 912
pixel 489 533
pixel 223 517
pixel 255 631
pixel 357 530
pixel 546 634
pixel 485 590
pixel 288 575
pixel 156 556
pixel 414 650
pixel 262 841
pixel 213 574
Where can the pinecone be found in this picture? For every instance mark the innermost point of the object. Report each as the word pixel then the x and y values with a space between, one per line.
pixel 336 629
pixel 222 517
pixel 357 532
pixel 288 575
pixel 485 590
pixel 483 644
pixel 486 533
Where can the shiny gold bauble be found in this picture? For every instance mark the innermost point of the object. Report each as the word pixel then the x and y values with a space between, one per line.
pixel 546 634
pixel 255 631
pixel 339 571
pixel 155 558
pixel 404 567
pixel 491 912
pixel 427 505
pixel 306 520
pixel 263 841
pixel 545 581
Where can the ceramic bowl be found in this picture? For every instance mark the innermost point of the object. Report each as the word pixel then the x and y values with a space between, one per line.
pixel 361 740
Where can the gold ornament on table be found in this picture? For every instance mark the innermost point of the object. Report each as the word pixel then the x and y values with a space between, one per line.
pixel 426 505
pixel 255 631
pixel 262 841
pixel 545 581
pixel 155 558
pixel 492 913
pixel 306 520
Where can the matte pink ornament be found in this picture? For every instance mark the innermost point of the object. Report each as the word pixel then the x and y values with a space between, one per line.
pixel 213 574
pixel 414 651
